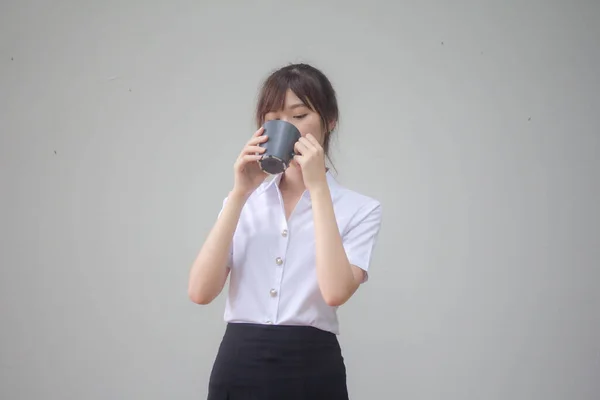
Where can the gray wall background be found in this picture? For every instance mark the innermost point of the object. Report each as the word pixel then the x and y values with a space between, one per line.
pixel 475 123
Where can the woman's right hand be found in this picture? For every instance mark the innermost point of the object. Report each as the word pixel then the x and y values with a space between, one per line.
pixel 247 172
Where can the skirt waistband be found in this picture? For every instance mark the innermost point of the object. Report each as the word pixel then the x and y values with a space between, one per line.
pixel 279 332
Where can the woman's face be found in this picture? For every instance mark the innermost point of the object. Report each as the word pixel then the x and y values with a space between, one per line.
pixel 295 112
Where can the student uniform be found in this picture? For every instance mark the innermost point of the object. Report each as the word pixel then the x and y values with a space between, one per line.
pixel 281 337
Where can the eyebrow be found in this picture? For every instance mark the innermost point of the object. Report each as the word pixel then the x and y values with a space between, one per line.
pixel 290 107
pixel 297 105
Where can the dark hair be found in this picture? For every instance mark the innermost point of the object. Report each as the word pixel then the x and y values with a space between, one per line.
pixel 310 85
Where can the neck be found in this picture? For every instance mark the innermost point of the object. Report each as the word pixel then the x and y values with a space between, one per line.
pixel 292 180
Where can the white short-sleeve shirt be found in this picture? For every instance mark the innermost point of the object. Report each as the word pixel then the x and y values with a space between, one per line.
pixel 273 276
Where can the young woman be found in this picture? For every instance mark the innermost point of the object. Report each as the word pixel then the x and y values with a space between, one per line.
pixel 296 247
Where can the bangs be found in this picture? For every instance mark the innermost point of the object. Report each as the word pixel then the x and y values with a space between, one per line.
pixel 273 92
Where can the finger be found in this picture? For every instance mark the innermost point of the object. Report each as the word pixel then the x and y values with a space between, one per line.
pixel 252 143
pixel 308 144
pixel 298 159
pixel 301 147
pixel 259 131
pixel 313 143
pixel 257 139
pixel 313 140
pixel 248 158
pixel 253 149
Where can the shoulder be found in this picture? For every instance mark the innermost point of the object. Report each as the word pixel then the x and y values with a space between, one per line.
pixel 350 197
pixel 358 203
pixel 357 199
pixel 354 205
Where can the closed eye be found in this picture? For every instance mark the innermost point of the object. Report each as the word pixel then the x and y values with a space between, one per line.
pixel 300 116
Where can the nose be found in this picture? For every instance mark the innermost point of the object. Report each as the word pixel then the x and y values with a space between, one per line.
pixel 290 120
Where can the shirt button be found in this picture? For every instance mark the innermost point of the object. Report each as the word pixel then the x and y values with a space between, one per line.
pixel 279 261
pixel 273 292
pixel 284 233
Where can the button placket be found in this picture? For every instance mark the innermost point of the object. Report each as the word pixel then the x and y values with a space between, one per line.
pixel 281 246
pixel 274 291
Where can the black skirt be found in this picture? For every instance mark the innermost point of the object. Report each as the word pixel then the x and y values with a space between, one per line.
pixel 274 362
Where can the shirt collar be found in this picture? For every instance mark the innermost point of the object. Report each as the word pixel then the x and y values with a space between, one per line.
pixel 270 181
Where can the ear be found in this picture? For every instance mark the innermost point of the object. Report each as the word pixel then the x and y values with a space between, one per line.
pixel 331 126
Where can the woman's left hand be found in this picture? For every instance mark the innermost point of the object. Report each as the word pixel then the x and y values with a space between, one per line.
pixel 311 158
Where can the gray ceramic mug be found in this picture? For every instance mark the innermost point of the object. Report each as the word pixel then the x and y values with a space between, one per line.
pixel 279 147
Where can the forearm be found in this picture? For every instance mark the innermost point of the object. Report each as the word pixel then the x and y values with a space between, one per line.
pixel 334 272
pixel 209 271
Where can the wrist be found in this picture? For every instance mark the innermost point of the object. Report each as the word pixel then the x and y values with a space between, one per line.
pixel 320 189
pixel 238 197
